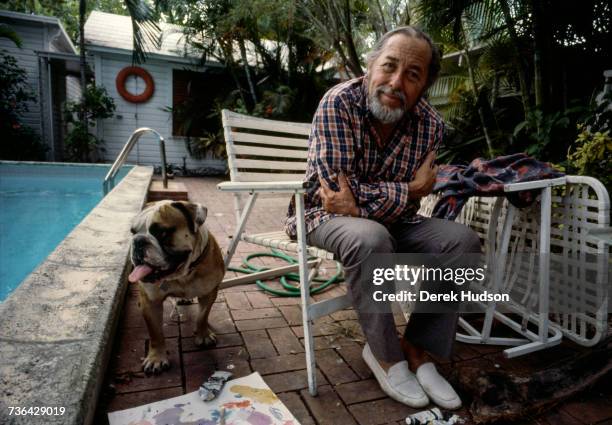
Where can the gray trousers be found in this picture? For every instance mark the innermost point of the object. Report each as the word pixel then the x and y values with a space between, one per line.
pixel 353 239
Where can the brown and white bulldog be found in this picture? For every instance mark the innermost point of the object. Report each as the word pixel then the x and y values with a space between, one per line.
pixel 174 255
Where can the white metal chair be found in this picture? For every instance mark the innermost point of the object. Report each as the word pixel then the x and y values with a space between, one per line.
pixel 559 227
pixel 264 157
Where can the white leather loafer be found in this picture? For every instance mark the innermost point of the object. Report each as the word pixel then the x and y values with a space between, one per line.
pixel 437 388
pixel 398 383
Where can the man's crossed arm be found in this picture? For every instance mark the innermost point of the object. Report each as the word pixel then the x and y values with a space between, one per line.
pixel 334 145
pixel 343 201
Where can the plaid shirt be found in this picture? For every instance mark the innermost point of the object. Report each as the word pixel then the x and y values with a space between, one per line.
pixel 343 138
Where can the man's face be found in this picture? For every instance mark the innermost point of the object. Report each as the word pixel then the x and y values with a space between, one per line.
pixel 397 78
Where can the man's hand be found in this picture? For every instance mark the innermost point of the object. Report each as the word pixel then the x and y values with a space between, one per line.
pixel 424 178
pixel 342 202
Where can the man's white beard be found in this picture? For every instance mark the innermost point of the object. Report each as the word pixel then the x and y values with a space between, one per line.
pixel 383 113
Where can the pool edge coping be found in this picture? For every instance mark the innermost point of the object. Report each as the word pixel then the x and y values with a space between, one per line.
pixel 57 328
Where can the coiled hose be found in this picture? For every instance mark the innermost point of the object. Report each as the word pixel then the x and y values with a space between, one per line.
pixel 290 290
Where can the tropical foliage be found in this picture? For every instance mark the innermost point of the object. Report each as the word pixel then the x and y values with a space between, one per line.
pixel 518 74
pixel 523 69
pixel 72 12
pixel 95 104
pixel 274 69
pixel 591 153
pixel 514 79
pixel 19 142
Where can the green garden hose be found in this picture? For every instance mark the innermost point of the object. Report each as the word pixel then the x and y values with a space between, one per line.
pixel 290 290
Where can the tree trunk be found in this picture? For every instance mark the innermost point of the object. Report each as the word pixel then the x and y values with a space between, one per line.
pixel 291 62
pixel 272 64
pixel 537 78
pixel 350 44
pixel 481 115
pixel 230 65
pixel 343 57
pixel 523 66
pixel 83 68
pixel 83 63
pixel 247 71
pixel 382 17
pixel 540 53
pixel 494 91
pixel 327 18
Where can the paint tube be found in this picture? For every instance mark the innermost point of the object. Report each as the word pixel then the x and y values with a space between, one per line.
pixel 454 419
pixel 433 417
pixel 425 417
pixel 211 388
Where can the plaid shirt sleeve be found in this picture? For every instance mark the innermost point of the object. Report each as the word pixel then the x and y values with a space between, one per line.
pixel 334 142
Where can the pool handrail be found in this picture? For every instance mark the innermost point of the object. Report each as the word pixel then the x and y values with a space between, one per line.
pixel 109 180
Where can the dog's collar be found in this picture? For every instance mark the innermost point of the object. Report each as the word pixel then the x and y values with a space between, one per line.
pixel 197 261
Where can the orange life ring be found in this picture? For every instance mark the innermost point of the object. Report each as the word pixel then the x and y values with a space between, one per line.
pixel 139 72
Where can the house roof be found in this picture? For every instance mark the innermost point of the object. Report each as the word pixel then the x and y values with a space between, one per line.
pixel 113 33
pixel 64 40
pixel 106 31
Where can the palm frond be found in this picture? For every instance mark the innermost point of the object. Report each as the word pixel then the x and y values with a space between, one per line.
pixel 441 91
pixel 146 31
pixel 498 54
pixel 481 19
pixel 8 32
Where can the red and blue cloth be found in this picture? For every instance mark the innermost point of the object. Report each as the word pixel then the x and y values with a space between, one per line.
pixel 456 183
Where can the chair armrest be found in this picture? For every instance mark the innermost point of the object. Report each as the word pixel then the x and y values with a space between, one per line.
pixel 536 184
pixel 281 186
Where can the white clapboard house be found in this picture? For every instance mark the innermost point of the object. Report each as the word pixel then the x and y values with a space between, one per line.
pixel 52 65
pixel 147 101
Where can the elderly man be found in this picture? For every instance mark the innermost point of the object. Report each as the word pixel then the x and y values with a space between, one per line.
pixel 371 158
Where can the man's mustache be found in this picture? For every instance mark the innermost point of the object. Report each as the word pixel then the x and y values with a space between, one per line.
pixel 392 92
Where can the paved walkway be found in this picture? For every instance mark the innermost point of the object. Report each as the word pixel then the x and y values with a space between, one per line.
pixel 259 332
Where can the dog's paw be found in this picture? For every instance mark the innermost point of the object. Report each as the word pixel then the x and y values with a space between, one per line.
pixel 155 362
pixel 208 340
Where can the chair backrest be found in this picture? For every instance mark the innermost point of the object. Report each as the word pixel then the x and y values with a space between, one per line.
pixel 265 150
pixel 579 262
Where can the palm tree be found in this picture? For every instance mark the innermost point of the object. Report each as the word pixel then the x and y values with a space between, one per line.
pixel 334 23
pixel 144 27
pixel 145 31
pixel 462 25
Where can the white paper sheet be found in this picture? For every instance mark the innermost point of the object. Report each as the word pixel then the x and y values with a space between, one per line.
pixel 243 401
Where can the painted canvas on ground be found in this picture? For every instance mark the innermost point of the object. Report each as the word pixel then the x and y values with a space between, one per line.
pixel 243 401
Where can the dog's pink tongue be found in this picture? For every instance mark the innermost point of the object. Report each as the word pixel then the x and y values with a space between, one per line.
pixel 139 272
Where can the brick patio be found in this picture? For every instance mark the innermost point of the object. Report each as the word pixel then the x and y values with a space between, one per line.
pixel 259 332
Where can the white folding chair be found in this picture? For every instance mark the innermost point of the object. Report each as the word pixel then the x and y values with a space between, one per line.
pixel 267 156
pixel 561 226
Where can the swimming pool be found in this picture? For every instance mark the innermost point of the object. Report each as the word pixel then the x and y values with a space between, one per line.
pixel 41 204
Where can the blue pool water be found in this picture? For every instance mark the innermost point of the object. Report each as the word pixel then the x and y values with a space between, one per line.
pixel 39 205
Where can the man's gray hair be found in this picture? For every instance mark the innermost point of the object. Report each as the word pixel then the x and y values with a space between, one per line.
pixel 410 31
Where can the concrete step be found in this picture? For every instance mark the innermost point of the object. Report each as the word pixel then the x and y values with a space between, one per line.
pixel 175 191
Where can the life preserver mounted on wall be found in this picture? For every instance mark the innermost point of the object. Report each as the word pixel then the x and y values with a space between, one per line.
pixel 139 72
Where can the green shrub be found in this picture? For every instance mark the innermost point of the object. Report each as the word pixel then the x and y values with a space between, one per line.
pixel 96 104
pixel 19 142
pixel 591 152
pixel 591 155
